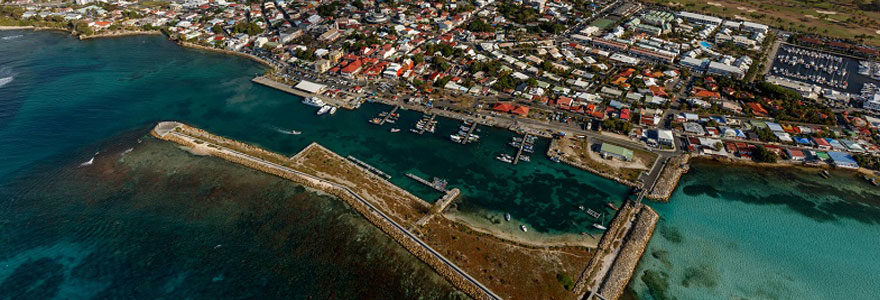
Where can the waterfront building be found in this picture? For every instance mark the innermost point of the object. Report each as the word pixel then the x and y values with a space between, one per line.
pixel 610 151
pixel 310 87
pixel 873 103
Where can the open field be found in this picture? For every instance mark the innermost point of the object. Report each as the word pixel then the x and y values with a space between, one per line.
pixel 835 18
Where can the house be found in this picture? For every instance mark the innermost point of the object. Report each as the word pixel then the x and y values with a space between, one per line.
pixel 664 137
pixel 821 144
pixel 610 151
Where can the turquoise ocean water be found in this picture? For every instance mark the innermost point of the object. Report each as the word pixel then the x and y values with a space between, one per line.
pixel 735 232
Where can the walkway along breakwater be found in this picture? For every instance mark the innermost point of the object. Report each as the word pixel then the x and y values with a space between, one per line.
pixel 484 266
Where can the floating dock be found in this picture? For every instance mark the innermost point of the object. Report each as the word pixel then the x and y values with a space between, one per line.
pixel 467 136
pixel 369 167
pixel 427 124
pixel 388 116
pixel 522 144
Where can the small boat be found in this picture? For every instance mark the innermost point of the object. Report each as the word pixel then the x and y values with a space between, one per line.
pixel 376 121
pixel 554 159
pixel 600 225
pixel 611 205
pixel 324 109
pixel 507 217
pixel 505 158
pixel 332 110
pixel 393 130
pixel 524 158
pixel 581 207
pixel 824 174
pixel 870 180
pixel 523 227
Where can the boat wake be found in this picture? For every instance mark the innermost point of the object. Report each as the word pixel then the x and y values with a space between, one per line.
pixel 286 131
pixel 5 80
pixel 11 37
pixel 90 161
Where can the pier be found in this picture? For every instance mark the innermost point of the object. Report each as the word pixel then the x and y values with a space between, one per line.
pixel 427 124
pixel 369 167
pixel 388 116
pixel 438 184
pixel 522 145
pixel 467 136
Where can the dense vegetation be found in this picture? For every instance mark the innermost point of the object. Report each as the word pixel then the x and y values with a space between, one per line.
pixel 764 155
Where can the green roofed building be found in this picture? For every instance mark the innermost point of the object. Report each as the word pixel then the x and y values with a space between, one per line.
pixel 823 155
pixel 614 151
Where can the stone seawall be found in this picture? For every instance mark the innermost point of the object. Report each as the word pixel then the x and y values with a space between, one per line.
pixel 371 215
pixel 120 33
pixel 669 178
pixel 633 248
pixel 581 166
pixel 616 227
pixel 224 51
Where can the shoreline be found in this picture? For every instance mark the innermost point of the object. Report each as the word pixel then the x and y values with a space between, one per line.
pixel 120 33
pixel 224 51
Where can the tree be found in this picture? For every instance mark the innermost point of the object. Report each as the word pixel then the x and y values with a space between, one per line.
pixel 763 155
pixel 216 29
pixel 479 25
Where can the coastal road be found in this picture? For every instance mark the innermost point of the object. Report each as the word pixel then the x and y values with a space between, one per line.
pixel 164 128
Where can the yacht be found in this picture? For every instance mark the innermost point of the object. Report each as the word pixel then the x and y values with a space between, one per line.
pixel 313 101
pixel 332 110
pixel 393 130
pixel 524 158
pixel 324 109
pixel 505 158
pixel 523 227
pixel 507 217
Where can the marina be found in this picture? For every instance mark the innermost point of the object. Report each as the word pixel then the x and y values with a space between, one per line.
pixel 822 69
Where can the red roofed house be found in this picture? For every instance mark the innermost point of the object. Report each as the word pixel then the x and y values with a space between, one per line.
pixel 521 110
pixel 502 107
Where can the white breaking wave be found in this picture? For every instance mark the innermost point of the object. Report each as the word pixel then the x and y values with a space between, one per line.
pixel 5 80
pixel 90 161
pixel 12 37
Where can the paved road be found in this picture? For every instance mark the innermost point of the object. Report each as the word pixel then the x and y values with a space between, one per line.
pixel 165 130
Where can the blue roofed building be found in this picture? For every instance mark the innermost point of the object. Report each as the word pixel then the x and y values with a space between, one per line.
pixel 843 160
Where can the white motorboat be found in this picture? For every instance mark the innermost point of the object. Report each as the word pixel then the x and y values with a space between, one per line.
pixel 313 101
pixel 324 109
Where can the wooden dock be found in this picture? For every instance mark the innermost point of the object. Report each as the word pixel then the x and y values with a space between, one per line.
pixel 369 167
pixel 425 128
pixel 467 136
pixel 388 116
pixel 436 184
pixel 522 144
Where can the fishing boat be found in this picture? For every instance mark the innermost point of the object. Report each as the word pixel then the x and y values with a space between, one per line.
pixel 612 206
pixel 324 109
pixel 393 130
pixel 523 227
pixel 871 180
pixel 507 217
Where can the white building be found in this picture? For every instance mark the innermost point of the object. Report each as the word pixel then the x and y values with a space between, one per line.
pixel 873 103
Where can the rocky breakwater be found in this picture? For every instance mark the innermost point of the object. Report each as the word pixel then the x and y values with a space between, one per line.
pixel 619 251
pixel 669 177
